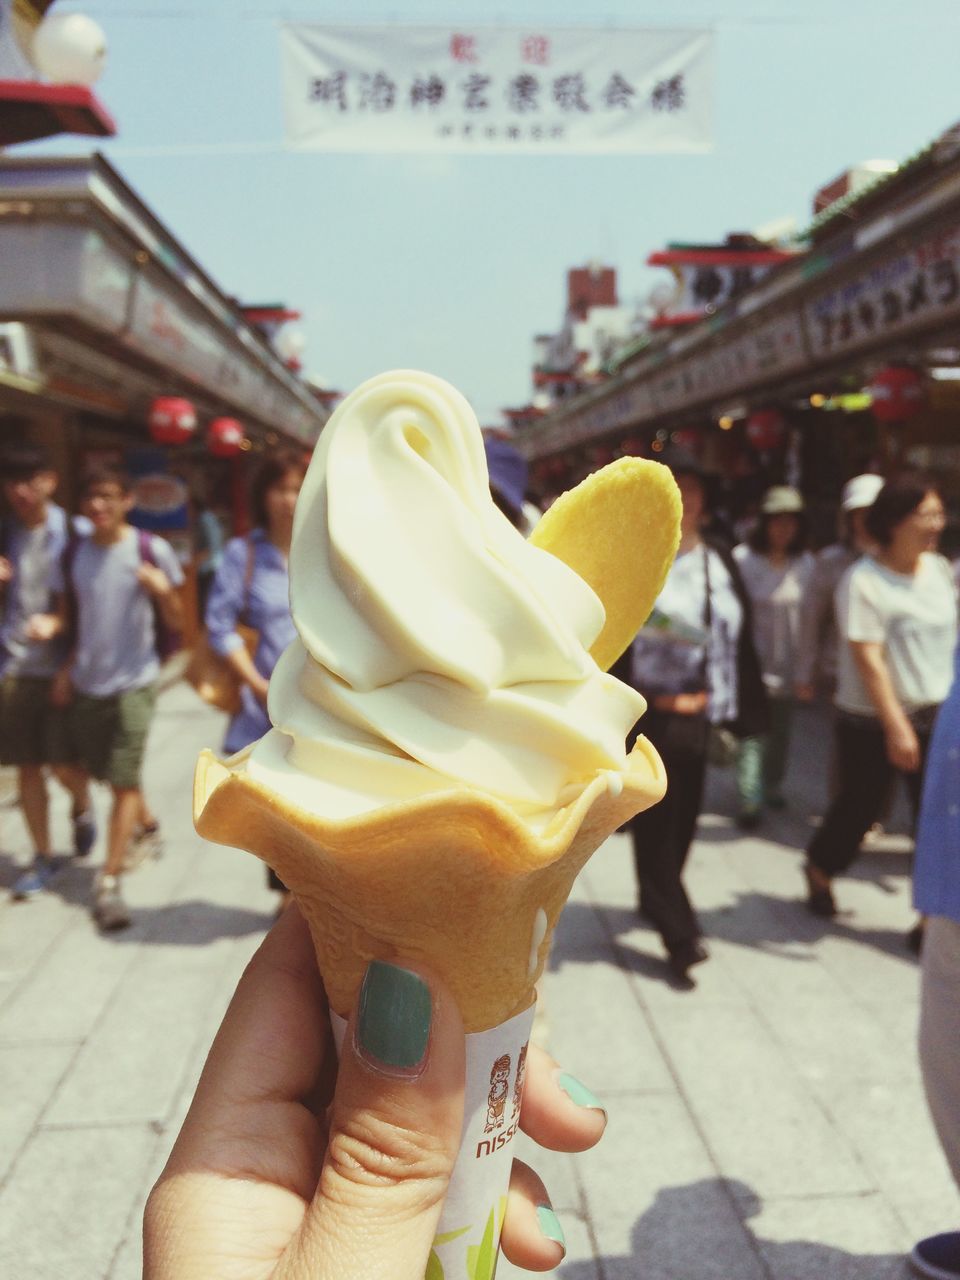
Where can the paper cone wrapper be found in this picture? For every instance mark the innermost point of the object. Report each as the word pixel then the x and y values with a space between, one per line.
pixel 467 1242
pixel 456 880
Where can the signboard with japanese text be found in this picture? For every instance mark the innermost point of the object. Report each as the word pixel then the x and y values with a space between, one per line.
pixel 502 90
pixel 707 278
pixel 13 60
pixel 920 286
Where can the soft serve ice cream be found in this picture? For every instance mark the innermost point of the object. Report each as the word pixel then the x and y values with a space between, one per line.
pixel 436 648
pixel 446 753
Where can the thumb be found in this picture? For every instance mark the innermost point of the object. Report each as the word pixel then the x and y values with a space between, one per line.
pixel 394 1132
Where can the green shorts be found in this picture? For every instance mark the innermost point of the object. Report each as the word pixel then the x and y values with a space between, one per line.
pixel 32 731
pixel 109 735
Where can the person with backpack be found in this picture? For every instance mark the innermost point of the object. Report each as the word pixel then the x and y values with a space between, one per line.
pixel 120 604
pixel 32 730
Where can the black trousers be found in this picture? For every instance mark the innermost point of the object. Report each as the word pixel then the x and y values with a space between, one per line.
pixel 864 776
pixel 662 837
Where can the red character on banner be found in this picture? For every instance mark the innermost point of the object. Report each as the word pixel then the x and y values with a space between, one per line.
pixel 463 48
pixel 535 50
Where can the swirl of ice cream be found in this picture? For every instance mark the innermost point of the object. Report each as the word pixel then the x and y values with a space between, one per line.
pixel 437 648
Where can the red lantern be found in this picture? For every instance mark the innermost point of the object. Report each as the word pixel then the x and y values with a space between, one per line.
pixel 897 393
pixel 765 429
pixel 225 437
pixel 172 420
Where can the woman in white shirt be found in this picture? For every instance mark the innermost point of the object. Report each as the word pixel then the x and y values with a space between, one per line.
pixel 897 614
pixel 775 570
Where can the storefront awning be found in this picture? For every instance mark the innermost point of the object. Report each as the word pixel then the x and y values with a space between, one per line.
pixel 103 286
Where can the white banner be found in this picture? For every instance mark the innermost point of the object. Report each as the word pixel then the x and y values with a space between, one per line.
pixel 13 61
pixel 502 90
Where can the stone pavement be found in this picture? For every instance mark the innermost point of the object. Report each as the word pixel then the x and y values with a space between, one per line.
pixel 768 1125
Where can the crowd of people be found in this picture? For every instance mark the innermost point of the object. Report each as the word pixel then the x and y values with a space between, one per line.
pixel 740 635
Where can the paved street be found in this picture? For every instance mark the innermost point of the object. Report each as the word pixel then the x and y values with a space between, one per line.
pixel 769 1125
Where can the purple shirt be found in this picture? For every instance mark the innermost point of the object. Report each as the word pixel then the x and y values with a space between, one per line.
pixel 265 605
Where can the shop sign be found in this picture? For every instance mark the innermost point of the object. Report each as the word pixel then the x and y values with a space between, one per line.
pixel 771 349
pixel 187 344
pixel 626 407
pixel 161 498
pixel 496 89
pixel 104 282
pixel 913 289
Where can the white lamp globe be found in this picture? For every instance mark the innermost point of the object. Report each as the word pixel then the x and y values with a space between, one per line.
pixel 69 48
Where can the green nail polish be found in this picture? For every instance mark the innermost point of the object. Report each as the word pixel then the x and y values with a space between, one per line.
pixel 393 1020
pixel 578 1092
pixel 550 1226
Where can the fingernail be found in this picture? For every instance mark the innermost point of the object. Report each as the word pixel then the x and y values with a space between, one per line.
pixel 393 1020
pixel 578 1092
pixel 550 1226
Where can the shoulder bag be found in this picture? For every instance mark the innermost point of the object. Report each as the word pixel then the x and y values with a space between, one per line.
pixel 214 680
pixel 723 745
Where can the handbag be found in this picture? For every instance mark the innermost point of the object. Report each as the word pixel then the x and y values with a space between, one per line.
pixel 216 682
pixel 723 745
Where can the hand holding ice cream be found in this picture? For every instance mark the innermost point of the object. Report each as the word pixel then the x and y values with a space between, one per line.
pixel 446 751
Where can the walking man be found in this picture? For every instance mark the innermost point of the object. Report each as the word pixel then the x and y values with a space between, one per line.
pixel 33 733
pixel 119 600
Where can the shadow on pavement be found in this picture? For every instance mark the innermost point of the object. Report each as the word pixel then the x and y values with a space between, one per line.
pixel 176 924
pixel 694 1233
pixel 756 921
pixel 191 924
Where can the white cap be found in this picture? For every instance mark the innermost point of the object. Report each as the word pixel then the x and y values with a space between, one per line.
pixel 781 500
pixel 861 492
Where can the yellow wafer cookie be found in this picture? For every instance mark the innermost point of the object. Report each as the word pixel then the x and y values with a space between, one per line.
pixel 618 530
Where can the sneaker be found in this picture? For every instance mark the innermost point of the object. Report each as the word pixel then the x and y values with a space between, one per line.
pixel 146 846
pixel 84 833
pixel 34 880
pixel 937 1257
pixel 109 909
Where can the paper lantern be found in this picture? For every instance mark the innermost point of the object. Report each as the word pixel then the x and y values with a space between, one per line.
pixel 69 48
pixel 765 429
pixel 225 437
pixel 896 393
pixel 172 420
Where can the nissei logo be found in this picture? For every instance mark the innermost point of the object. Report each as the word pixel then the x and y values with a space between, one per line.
pixel 489 1146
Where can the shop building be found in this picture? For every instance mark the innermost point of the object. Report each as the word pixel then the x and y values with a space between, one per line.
pixel 844 356
pixel 102 312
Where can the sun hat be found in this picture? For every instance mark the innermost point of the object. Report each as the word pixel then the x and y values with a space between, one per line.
pixel 507 468
pixel 861 492
pixel 781 500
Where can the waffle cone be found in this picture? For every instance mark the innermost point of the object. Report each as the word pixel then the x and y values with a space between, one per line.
pixel 455 880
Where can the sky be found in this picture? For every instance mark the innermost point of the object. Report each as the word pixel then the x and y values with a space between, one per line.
pixel 452 263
